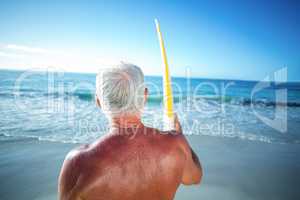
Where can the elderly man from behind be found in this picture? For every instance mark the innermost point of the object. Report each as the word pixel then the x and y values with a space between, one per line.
pixel 132 161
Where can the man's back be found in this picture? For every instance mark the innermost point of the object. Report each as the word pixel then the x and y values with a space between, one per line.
pixel 136 163
pixel 128 163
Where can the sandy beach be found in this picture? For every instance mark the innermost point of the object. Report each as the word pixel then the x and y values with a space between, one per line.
pixel 234 169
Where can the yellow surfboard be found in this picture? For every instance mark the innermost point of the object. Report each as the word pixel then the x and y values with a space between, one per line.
pixel 168 95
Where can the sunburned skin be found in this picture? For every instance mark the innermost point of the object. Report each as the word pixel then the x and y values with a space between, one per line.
pixel 138 163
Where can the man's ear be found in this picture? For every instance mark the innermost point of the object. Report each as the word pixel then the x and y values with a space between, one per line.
pixel 145 95
pixel 97 101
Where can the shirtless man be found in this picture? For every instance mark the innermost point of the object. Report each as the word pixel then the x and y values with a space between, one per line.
pixel 132 161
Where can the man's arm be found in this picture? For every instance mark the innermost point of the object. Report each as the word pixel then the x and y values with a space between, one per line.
pixel 192 171
pixel 68 178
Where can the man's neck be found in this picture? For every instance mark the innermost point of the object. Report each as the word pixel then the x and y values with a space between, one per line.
pixel 126 121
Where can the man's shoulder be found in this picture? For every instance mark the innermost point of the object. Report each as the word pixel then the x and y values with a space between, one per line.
pixel 71 169
pixel 167 138
pixel 172 135
pixel 77 153
pixel 86 150
pixel 73 161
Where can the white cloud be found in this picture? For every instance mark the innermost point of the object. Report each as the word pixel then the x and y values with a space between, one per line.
pixel 10 55
pixel 81 60
pixel 26 48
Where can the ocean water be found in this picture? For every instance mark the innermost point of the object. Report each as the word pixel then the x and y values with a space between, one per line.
pixel 60 107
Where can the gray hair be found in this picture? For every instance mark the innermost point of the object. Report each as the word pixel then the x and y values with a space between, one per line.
pixel 120 89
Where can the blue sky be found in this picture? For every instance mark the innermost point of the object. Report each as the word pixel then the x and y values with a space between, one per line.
pixel 215 39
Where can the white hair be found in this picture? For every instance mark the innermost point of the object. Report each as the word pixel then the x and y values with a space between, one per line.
pixel 120 89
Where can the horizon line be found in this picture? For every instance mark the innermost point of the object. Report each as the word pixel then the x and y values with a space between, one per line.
pixel 155 75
